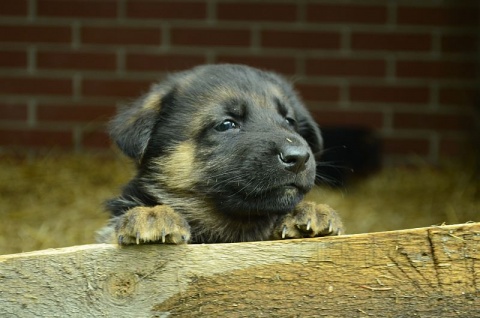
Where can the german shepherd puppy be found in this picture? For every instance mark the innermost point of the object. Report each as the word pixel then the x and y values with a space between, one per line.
pixel 224 153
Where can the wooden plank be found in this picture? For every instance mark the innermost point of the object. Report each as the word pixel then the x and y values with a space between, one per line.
pixel 425 272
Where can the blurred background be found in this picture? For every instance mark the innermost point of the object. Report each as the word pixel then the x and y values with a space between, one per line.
pixel 393 84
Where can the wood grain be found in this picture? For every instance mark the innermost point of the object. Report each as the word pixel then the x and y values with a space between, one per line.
pixel 425 272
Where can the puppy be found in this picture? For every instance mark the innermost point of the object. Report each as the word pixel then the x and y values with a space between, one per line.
pixel 224 153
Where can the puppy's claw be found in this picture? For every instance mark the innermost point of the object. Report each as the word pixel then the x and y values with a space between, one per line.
pixel 284 231
pixel 137 238
pixel 309 224
pixel 163 236
pixel 330 227
pixel 120 239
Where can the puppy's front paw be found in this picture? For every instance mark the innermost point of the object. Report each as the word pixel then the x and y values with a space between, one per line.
pixel 159 224
pixel 309 220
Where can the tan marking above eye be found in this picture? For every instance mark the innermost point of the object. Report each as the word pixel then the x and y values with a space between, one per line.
pixel 276 91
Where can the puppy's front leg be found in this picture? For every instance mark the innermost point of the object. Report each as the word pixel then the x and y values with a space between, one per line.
pixel 158 224
pixel 309 219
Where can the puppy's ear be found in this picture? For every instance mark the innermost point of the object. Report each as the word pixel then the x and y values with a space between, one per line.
pixel 309 130
pixel 131 128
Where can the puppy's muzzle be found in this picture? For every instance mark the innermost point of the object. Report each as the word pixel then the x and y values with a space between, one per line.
pixel 294 158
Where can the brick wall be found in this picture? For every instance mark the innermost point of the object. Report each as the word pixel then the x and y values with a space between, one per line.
pixel 408 69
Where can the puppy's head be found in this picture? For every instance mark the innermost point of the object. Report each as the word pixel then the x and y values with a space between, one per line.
pixel 233 135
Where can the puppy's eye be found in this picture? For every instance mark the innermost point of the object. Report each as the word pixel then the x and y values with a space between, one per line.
pixel 290 121
pixel 226 125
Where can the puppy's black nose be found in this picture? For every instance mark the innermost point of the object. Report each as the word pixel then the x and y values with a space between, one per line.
pixel 294 158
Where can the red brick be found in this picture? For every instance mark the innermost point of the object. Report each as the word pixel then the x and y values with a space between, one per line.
pixel 13 59
pixel 35 86
pixel 319 93
pixel 453 147
pixel 389 94
pixel 391 41
pixel 368 119
pixel 436 69
pixel 438 16
pixel 459 43
pixel 13 8
pixel 36 138
pixel 77 8
pixel 162 62
pixel 34 34
pixel 114 88
pixel 121 35
pixel 300 39
pixel 11 111
pixel 431 121
pixel 166 10
pixel 76 60
pixel 209 37
pixel 333 13
pixel 74 113
pixel 458 96
pixel 95 140
pixel 284 65
pixel 256 11
pixel 345 67
pixel 405 146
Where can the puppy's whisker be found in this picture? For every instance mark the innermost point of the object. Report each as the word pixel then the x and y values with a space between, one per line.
pixel 326 180
pixel 230 181
pixel 247 184
pixel 330 149
pixel 333 167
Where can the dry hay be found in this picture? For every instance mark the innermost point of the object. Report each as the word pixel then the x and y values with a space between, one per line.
pixel 56 200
